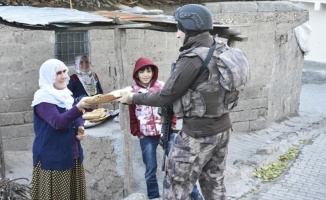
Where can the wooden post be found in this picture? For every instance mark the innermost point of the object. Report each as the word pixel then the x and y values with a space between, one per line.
pixel 231 43
pixel 120 49
pixel 2 159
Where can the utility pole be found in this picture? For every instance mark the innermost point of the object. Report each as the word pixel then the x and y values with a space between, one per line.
pixel 120 41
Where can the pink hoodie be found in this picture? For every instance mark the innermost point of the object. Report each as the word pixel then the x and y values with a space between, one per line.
pixel 145 120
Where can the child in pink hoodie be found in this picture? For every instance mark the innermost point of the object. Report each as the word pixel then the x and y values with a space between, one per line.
pixel 145 123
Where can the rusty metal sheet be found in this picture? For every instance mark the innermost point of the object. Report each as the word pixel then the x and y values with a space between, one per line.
pixel 136 17
pixel 48 16
pixel 148 16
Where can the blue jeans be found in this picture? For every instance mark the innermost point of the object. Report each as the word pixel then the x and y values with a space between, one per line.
pixel 170 143
pixel 148 148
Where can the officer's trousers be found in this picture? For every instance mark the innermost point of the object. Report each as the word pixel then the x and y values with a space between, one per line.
pixel 193 159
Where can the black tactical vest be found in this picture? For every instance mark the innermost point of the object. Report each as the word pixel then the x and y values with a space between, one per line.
pixel 210 98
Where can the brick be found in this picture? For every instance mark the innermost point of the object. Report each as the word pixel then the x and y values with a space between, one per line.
pixel 18 144
pixel 258 124
pixel 235 7
pixel 214 7
pixel 240 126
pixel 15 105
pixel 17 131
pixel 11 119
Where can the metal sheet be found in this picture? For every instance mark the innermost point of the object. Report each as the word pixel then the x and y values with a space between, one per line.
pixel 48 16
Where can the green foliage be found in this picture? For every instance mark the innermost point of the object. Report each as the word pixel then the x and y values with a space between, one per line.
pixel 272 170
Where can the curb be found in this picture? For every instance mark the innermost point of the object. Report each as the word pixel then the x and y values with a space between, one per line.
pixel 313 73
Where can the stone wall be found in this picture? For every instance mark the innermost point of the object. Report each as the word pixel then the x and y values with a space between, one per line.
pixel 104 168
pixel 272 93
pixel 23 51
pixel 275 58
pixel 21 54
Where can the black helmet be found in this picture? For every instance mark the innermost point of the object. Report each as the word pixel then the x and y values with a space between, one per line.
pixel 194 17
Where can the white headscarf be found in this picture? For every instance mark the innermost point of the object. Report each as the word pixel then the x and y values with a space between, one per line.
pixel 86 78
pixel 47 93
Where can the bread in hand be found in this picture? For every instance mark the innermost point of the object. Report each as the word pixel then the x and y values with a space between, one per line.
pixel 106 98
pixel 101 98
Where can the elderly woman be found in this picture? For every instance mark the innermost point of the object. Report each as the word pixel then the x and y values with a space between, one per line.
pixel 85 82
pixel 57 153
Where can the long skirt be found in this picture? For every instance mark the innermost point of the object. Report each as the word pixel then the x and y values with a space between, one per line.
pixel 59 184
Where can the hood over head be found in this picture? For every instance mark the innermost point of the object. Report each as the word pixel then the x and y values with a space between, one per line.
pixel 143 62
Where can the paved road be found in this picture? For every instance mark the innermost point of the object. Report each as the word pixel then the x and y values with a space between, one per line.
pixel 305 179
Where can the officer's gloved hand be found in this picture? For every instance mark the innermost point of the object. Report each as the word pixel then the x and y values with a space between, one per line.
pixel 126 95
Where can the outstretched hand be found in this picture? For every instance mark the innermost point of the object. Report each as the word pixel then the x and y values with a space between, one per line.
pixel 81 105
pixel 125 95
pixel 81 133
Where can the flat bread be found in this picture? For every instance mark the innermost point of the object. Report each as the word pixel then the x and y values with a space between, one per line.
pixel 107 98
pixel 95 114
pixel 98 119
pixel 101 98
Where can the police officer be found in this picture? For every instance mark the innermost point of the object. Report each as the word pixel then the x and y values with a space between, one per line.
pixel 200 149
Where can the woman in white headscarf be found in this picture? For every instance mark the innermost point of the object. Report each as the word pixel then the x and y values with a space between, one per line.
pixel 57 153
pixel 85 82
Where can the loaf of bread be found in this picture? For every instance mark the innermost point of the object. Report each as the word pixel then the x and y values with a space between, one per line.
pixel 106 98
pixel 99 113
pixel 101 98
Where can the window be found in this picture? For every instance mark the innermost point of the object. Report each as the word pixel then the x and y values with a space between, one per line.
pixel 68 45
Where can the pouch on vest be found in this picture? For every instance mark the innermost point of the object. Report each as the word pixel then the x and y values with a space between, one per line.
pixel 236 72
pixel 228 69
pixel 184 106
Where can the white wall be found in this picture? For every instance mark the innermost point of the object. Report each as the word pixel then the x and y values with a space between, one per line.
pixel 317 41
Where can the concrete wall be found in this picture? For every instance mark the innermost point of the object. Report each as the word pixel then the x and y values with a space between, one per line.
pixel 275 58
pixel 272 93
pixel 23 51
pixel 21 54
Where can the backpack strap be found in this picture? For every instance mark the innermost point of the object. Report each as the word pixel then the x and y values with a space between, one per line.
pixel 207 59
pixel 209 56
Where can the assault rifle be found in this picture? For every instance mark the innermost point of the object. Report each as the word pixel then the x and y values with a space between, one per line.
pixel 166 114
pixel 166 120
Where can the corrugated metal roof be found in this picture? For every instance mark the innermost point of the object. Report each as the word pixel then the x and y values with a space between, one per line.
pixel 48 17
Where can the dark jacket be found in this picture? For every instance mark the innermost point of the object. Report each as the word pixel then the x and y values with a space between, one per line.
pixel 77 88
pixel 53 142
pixel 183 77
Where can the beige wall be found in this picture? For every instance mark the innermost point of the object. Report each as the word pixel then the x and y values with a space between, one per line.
pixel 275 58
pixel 272 93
